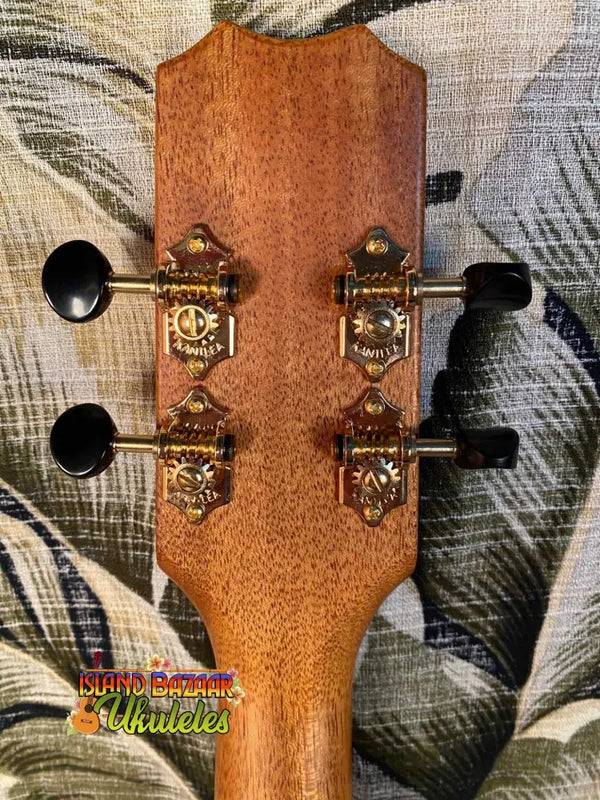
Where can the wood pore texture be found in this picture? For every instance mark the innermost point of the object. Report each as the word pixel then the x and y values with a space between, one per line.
pixel 290 151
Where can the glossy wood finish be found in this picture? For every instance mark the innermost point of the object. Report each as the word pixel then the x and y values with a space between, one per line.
pixel 290 151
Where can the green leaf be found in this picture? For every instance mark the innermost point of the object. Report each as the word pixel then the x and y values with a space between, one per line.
pixel 567 652
pixel 492 540
pixel 41 681
pixel 410 701
pixel 555 759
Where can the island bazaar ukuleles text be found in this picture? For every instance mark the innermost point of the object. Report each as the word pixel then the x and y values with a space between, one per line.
pixel 283 169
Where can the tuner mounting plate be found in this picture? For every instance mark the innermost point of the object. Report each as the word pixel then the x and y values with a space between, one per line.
pixel 373 475
pixel 375 331
pixel 199 328
pixel 195 478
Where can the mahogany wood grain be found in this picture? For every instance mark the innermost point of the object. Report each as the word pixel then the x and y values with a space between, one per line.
pixel 290 151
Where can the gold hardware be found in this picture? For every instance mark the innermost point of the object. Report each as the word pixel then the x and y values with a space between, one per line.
pixel 380 290
pixel 374 407
pixel 132 284
pixel 196 405
pixel 194 289
pixel 196 367
pixel 375 451
pixel 195 514
pixel 134 443
pixel 194 452
pixel 373 514
pixel 191 323
pixel 377 245
pixel 375 331
pixel 375 369
pixel 196 244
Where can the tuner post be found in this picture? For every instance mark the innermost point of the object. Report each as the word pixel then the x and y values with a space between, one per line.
pixel 193 450
pixel 441 287
pixel 132 284
pixel 380 290
pixel 135 443
pixel 376 450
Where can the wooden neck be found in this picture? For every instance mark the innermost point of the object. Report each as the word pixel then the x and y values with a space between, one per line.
pixel 291 735
pixel 290 151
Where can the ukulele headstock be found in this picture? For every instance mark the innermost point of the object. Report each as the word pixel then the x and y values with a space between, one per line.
pixel 307 161
pixel 289 214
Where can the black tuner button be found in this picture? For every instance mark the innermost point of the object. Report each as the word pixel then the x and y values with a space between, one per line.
pixel 503 287
pixel 82 440
pixel 484 448
pixel 75 280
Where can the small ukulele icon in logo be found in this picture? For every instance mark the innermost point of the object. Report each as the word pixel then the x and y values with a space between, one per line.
pixel 83 718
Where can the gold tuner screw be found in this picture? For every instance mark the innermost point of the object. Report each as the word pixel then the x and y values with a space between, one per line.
pixel 190 479
pixel 196 405
pixel 372 513
pixel 375 369
pixel 377 246
pixel 195 514
pixel 196 244
pixel 196 366
pixel 374 407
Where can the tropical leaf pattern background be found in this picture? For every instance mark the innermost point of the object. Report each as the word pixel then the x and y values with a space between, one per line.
pixel 479 677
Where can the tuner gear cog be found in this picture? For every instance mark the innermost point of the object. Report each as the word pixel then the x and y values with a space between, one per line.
pixel 378 323
pixel 375 479
pixel 191 478
pixel 193 325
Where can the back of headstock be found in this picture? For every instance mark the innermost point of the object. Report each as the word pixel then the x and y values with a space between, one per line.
pixel 289 151
pixel 305 160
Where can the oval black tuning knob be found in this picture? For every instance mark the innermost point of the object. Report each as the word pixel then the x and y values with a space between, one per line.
pixel 484 448
pixel 76 281
pixel 503 287
pixel 193 449
pixel 83 440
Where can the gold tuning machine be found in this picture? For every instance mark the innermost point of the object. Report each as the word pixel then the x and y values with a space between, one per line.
pixel 376 449
pixel 193 448
pixel 380 290
pixel 194 287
